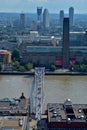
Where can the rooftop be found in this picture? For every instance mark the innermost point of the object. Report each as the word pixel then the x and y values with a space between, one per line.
pixel 4 52
pixel 14 113
pixel 13 123
pixel 14 107
pixel 67 112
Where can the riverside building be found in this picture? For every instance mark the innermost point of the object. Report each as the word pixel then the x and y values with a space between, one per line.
pixel 65 49
pixel 14 113
pixel 5 56
pixel 46 54
pixel 67 116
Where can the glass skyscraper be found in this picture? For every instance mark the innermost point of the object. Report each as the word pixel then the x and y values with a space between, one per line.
pixel 71 16
pixel 46 19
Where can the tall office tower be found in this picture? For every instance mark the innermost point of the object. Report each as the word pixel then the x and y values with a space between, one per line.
pixel 22 20
pixel 39 18
pixel 65 48
pixel 46 21
pixel 71 16
pixel 39 13
pixel 61 18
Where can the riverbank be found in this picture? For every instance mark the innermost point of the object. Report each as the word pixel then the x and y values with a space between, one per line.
pixel 46 73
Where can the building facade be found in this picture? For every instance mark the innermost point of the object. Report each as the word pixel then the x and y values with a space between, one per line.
pixel 41 55
pixel 65 49
pixel 5 57
pixel 61 18
pixel 71 16
pixel 22 20
pixel 39 18
pixel 46 21
pixel 78 39
pixel 67 116
pixel 45 54
pixel 39 13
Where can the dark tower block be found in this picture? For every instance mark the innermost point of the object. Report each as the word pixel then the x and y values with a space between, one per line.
pixel 61 18
pixel 39 18
pixel 22 20
pixel 65 47
pixel 39 13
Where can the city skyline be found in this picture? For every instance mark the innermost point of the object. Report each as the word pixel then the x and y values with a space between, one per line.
pixel 29 6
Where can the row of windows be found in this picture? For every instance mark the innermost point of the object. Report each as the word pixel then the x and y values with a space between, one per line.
pixel 55 49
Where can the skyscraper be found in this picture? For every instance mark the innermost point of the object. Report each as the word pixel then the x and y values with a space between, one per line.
pixel 39 13
pixel 71 16
pixel 22 20
pixel 65 48
pixel 46 19
pixel 61 18
pixel 39 18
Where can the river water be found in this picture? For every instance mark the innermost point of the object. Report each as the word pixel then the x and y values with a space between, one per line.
pixel 56 88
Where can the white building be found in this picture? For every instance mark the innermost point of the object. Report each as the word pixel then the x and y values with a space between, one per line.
pixel 46 20
pixel 71 16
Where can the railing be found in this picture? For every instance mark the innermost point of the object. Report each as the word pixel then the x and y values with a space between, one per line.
pixel 39 94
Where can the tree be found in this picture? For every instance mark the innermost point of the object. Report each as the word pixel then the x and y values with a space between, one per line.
pixel 29 66
pixel 52 67
pixel 76 67
pixel 16 64
pixel 84 61
pixel 83 68
pixel 21 68
pixel 16 54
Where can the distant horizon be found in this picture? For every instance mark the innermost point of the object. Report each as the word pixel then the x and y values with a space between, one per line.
pixel 30 6
pixel 36 13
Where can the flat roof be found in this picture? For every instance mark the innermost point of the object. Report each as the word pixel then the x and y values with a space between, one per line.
pixel 4 52
pixel 14 107
pixel 63 112
pixel 13 122
pixel 14 113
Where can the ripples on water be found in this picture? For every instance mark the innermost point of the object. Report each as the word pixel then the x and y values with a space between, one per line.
pixel 62 87
pixel 57 88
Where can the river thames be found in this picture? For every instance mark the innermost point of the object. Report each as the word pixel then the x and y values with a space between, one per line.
pixel 56 88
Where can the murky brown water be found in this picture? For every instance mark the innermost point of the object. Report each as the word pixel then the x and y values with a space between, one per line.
pixel 57 88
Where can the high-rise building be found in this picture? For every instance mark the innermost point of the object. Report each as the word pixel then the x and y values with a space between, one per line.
pixel 39 18
pixel 22 20
pixel 71 16
pixel 65 48
pixel 46 21
pixel 61 18
pixel 39 13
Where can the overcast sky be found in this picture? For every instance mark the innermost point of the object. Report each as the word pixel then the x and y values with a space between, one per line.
pixel 54 6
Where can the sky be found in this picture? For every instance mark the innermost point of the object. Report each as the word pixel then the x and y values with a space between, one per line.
pixel 54 6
